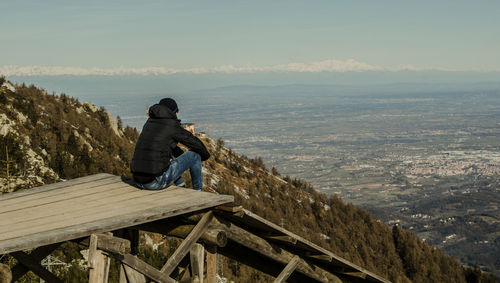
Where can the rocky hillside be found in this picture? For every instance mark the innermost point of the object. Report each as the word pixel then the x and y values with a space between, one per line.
pixel 47 138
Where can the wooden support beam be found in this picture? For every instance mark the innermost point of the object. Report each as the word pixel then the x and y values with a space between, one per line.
pixel 211 263
pixel 273 252
pixel 322 257
pixel 230 207
pixel 287 271
pixel 282 238
pixel 109 243
pixel 184 247
pixel 193 217
pixel 99 262
pixel 356 274
pixel 35 266
pixel 197 257
pixel 113 244
pixel 129 275
pixel 38 254
pixel 210 236
pixel 216 237
pixel 143 268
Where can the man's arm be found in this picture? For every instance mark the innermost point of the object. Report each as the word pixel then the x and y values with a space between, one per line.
pixel 193 143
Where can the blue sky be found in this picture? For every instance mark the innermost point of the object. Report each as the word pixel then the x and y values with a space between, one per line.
pixel 181 35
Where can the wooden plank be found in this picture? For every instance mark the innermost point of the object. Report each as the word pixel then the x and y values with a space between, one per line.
pixel 184 247
pixel 107 213
pixel 36 267
pixel 287 271
pixel 109 243
pixel 121 203
pixel 111 194
pixel 160 209
pixel 229 208
pixel 356 274
pixel 179 206
pixel 38 254
pixel 321 257
pixel 45 214
pixel 42 199
pixel 211 264
pixel 281 238
pixel 130 275
pixel 105 193
pixel 49 210
pixel 55 186
pixel 128 203
pixel 100 272
pixel 115 212
pixel 197 258
pixel 143 268
pixel 123 277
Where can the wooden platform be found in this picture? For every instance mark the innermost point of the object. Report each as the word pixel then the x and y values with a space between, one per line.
pixel 78 208
pixel 42 218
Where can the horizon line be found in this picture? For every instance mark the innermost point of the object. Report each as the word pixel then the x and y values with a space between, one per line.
pixel 330 65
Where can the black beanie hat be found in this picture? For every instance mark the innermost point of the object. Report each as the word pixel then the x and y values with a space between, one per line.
pixel 170 103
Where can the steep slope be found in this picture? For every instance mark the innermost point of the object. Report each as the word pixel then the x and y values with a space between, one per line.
pixel 46 138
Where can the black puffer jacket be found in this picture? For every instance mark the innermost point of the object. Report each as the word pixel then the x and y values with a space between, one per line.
pixel 158 141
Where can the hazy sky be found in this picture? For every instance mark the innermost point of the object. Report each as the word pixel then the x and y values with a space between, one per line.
pixel 204 34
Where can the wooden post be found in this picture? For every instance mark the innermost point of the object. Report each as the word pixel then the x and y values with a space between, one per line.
pixel 5 274
pixel 197 257
pixel 211 264
pixel 287 271
pixel 98 263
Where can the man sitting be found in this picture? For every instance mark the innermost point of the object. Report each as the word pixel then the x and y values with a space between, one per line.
pixel 158 161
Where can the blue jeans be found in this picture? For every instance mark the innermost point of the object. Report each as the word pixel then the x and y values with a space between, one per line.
pixel 188 160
